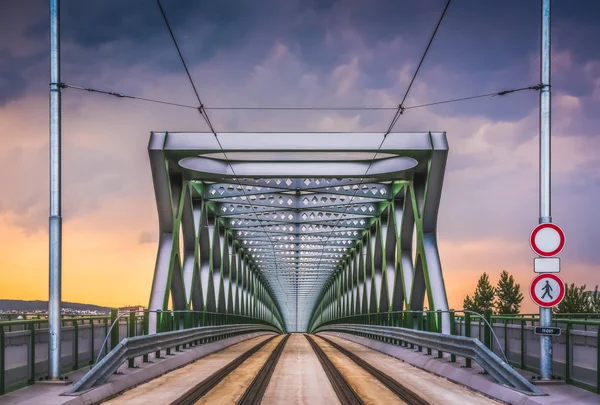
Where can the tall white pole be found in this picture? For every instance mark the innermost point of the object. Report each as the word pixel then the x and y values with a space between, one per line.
pixel 55 266
pixel 545 212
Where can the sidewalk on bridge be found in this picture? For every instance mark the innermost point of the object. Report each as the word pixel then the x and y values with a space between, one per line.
pixel 474 377
pixel 562 393
pixel 42 394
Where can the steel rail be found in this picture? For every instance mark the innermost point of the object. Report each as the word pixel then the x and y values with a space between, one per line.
pixel 341 386
pixel 405 394
pixel 203 387
pixel 255 392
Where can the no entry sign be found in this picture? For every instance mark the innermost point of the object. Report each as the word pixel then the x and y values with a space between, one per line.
pixel 547 240
pixel 547 290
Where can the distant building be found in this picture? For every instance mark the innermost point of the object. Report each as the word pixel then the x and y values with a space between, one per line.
pixel 133 308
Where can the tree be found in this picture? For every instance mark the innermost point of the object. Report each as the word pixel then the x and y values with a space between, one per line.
pixel 483 298
pixel 576 300
pixel 468 304
pixel 508 295
pixel 595 301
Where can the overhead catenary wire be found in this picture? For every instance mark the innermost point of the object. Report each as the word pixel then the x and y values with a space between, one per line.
pixel 204 115
pixel 299 108
pixel 202 109
pixel 401 108
pixel 399 112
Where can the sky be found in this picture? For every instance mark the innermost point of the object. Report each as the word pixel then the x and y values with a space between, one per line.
pixel 294 53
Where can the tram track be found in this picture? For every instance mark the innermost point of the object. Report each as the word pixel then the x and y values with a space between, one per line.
pixel 255 392
pixel 299 369
pixel 404 393
pixel 328 355
pixel 202 388
pixel 341 386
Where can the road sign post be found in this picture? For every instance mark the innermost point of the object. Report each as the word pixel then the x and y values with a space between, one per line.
pixel 545 159
pixel 547 290
pixel 55 233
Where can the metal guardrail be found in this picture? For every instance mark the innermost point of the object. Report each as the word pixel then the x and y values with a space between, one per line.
pixel 576 351
pixel 131 348
pixel 33 331
pixel 462 346
pixel 579 340
pixel 84 334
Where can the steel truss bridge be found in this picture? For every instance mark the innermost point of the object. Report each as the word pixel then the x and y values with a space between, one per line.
pixel 297 228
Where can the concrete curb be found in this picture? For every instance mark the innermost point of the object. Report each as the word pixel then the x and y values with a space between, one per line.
pixel 119 383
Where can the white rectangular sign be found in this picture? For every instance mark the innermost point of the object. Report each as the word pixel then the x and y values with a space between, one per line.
pixel 546 264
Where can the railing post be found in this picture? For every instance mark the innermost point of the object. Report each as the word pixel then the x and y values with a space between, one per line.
pixel 430 326
pixel 452 332
pixel 597 361
pixel 169 321
pixel 177 324
pixel 158 329
pixel 114 334
pixel 439 330
pixel 2 362
pixel 132 326
pixel 146 328
pixel 91 362
pixel 419 327
pixel 468 334
pixel 75 344
pixel 31 354
pixel 105 333
pixel 523 321
pixel 488 329
pixel 187 324
pixel 568 353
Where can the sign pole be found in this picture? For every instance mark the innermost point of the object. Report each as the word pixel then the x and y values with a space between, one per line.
pixel 55 248
pixel 545 212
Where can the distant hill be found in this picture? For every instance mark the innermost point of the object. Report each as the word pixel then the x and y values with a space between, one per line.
pixel 26 306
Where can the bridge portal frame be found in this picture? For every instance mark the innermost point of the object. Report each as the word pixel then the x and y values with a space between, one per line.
pixel 205 263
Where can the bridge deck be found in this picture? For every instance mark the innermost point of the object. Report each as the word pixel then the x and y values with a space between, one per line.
pixel 432 388
pixel 297 378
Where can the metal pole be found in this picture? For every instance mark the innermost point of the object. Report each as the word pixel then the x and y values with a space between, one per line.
pixel 54 302
pixel 545 213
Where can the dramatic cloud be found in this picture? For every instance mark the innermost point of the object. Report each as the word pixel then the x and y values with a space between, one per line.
pixel 307 53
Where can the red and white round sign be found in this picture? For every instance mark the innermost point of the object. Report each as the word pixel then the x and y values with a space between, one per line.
pixel 547 240
pixel 547 290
